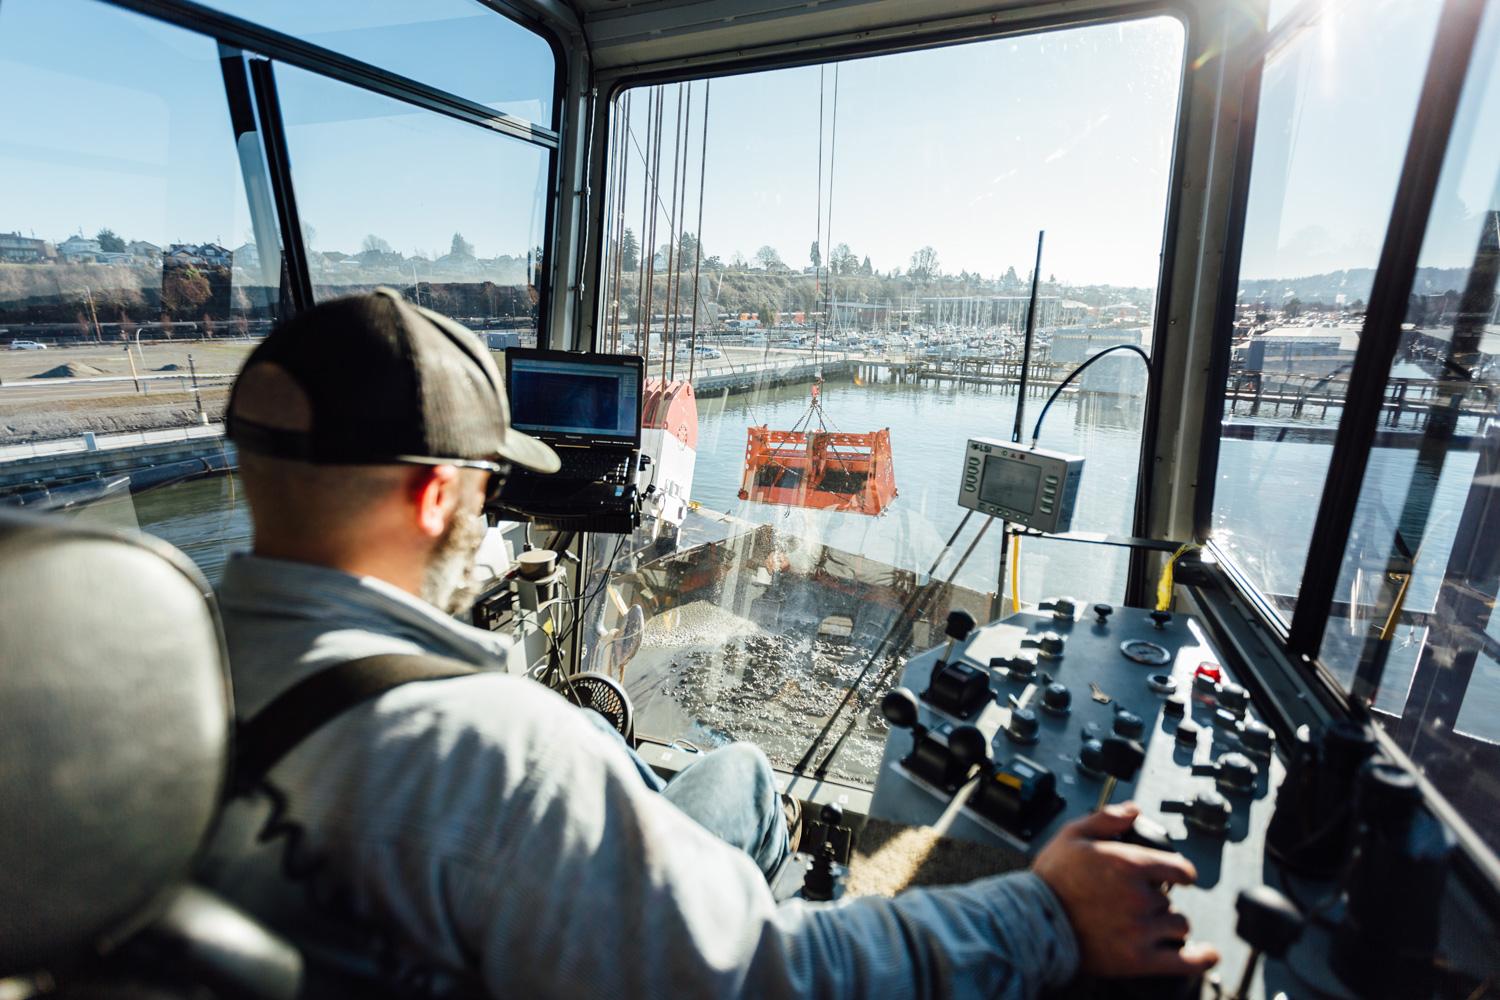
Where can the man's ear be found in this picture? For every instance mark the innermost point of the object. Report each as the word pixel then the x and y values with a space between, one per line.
pixel 436 494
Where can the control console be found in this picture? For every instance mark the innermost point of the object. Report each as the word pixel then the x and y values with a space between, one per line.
pixel 1012 729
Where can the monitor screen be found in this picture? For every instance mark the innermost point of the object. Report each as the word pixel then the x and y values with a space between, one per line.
pixel 1010 484
pixel 585 399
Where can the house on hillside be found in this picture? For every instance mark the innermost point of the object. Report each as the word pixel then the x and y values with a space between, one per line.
pixel 79 250
pixel 143 252
pixel 18 249
pixel 199 254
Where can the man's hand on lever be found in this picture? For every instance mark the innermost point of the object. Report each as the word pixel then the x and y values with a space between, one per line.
pixel 1115 894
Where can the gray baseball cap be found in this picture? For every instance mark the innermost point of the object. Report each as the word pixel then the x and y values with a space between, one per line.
pixel 372 379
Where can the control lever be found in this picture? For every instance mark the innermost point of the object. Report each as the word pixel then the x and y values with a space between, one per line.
pixel 824 880
pixel 1269 924
pixel 1121 759
pixel 960 624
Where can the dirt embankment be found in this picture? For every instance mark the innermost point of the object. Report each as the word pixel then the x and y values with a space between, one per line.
pixel 22 422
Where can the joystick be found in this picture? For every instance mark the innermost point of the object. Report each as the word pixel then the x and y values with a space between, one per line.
pixel 1121 759
pixel 1269 924
pixel 899 706
pixel 960 624
pixel 824 878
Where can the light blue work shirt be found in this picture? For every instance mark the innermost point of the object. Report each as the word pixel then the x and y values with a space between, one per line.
pixel 495 833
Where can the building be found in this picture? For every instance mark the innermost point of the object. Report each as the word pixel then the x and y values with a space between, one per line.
pixel 1074 344
pixel 199 255
pixel 143 252
pixel 1002 310
pixel 79 250
pixel 18 249
pixel 1301 350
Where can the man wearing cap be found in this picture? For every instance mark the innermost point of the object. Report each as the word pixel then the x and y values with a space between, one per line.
pixel 487 826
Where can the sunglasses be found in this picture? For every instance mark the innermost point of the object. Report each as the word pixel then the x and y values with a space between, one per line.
pixel 498 471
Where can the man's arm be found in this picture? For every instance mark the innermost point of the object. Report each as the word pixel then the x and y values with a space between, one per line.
pixel 511 836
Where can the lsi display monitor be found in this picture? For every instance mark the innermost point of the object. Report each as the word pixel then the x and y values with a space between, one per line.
pixel 1031 487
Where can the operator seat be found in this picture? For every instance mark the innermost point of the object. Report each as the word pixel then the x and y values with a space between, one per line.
pixel 115 723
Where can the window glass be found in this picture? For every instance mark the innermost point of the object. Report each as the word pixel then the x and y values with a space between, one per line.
pixel 1413 625
pixel 460 46
pixel 1341 90
pixel 855 280
pixel 448 213
pixel 131 281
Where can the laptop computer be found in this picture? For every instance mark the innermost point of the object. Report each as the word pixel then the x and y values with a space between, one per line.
pixel 588 408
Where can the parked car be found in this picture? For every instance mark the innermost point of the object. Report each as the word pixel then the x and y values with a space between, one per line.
pixel 27 345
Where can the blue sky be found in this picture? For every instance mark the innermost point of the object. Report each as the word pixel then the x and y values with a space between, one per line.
pixel 968 148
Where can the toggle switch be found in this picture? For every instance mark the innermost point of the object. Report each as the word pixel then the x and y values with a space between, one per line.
pixel 1207 811
pixel 1234 773
pixel 1064 609
pixel 1048 644
pixel 1018 667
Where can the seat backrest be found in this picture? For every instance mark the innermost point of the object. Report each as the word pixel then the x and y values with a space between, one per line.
pixel 115 716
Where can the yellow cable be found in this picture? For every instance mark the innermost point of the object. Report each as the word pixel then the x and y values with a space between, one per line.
pixel 1015 572
pixel 1164 585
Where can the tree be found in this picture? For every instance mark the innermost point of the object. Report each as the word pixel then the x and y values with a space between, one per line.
pixel 843 260
pixel 461 247
pixel 630 251
pixel 375 243
pixel 737 260
pixel 1011 278
pixel 924 264
pixel 768 258
pixel 1293 308
pixel 687 250
pixel 865 268
pixel 815 255
pixel 109 242
pixel 768 315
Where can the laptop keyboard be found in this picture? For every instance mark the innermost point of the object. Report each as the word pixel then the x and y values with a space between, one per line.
pixel 594 465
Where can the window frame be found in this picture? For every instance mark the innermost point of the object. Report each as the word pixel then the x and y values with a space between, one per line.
pixel 1427 146
pixel 1138 581
pixel 258 49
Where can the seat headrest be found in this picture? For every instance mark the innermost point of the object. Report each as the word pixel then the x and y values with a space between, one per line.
pixel 114 732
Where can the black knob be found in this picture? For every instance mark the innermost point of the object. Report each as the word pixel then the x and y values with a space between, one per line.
pixel 1210 812
pixel 899 706
pixel 960 624
pixel 832 815
pixel 1062 608
pixel 1102 613
pixel 1129 725
pixel 1057 699
pixel 1050 644
pixel 1187 733
pixel 1091 759
pixel 1175 706
pixel 1256 737
pixel 1161 618
pixel 1236 772
pixel 1023 727
pixel 1122 757
pixel 1204 684
pixel 1268 922
pixel 967 746
pixel 1233 697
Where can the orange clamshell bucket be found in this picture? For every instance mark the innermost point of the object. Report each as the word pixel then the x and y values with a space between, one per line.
pixel 824 470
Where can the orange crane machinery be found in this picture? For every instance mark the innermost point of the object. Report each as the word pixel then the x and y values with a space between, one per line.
pixel 819 468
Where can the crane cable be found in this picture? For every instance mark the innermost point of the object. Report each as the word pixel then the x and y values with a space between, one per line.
pixel 698 237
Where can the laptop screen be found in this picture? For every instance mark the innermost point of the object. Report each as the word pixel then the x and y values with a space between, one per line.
pixel 596 400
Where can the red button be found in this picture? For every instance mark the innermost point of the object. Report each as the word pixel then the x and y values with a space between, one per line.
pixel 1209 670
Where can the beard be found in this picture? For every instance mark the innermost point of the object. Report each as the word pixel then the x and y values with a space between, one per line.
pixel 452 582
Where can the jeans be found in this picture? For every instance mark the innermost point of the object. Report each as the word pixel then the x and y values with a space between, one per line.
pixel 731 792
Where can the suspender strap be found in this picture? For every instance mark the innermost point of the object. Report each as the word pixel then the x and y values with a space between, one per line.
pixel 307 706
